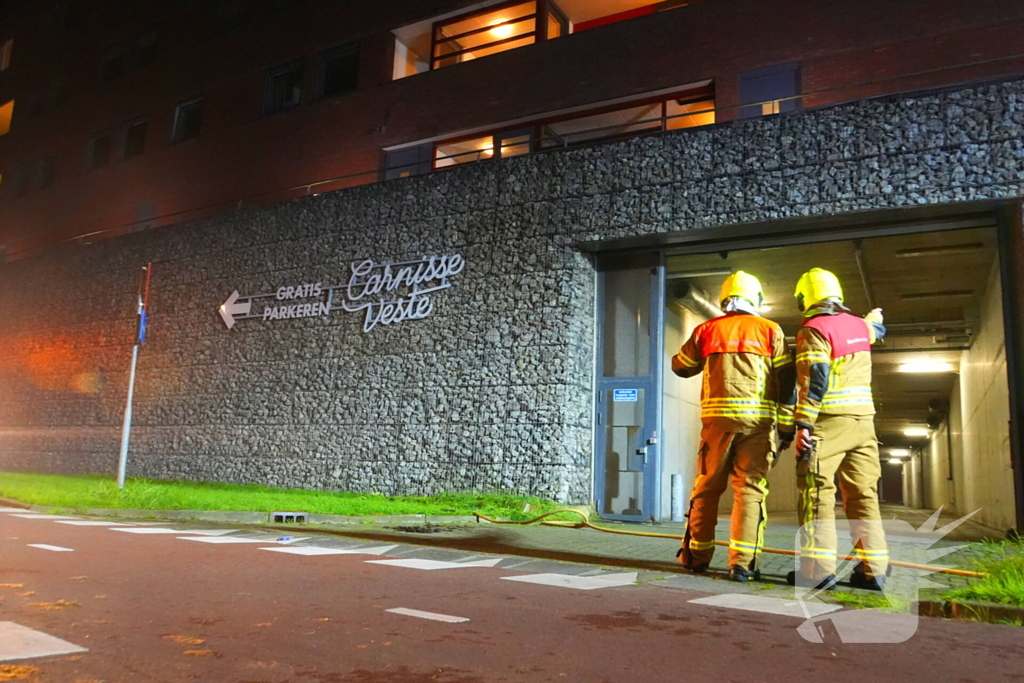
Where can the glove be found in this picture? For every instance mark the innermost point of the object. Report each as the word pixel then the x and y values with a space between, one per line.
pixel 804 443
pixel 785 440
pixel 875 316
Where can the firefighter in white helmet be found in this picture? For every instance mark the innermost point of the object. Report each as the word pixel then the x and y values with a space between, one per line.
pixel 748 371
pixel 836 435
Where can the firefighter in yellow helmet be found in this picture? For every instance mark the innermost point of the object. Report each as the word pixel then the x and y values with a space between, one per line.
pixel 748 370
pixel 836 434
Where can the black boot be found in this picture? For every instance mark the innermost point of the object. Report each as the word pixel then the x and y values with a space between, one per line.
pixel 686 559
pixel 865 582
pixel 826 584
pixel 741 575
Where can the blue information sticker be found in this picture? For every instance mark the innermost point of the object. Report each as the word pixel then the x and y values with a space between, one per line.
pixel 626 395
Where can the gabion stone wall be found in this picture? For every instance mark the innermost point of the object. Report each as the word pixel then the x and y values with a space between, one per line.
pixel 493 391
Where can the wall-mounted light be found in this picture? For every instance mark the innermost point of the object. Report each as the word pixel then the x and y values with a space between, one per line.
pixel 895 461
pixel 927 367
pixel 766 308
pixel 900 452
pixel 917 431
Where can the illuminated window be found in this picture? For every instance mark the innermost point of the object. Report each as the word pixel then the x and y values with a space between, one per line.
pixel 6 114
pixel 685 109
pixel 5 54
pixel 188 121
pixel 452 40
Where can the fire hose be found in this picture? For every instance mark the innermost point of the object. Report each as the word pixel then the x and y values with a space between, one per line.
pixel 585 522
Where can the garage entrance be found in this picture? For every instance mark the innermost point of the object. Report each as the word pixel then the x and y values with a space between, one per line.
pixel 941 375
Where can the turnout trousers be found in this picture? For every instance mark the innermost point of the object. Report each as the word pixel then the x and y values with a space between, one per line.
pixel 845 446
pixel 742 461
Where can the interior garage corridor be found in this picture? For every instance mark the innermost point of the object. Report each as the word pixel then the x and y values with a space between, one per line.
pixel 940 375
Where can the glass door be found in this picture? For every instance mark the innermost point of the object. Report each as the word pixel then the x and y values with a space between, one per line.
pixel 628 462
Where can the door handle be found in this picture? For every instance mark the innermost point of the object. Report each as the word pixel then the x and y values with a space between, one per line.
pixel 643 452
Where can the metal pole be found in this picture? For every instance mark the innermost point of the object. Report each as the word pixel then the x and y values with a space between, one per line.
pixel 126 427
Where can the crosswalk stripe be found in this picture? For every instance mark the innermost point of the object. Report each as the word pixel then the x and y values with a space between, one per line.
pixel 584 583
pixel 760 603
pixel 431 565
pixel 427 615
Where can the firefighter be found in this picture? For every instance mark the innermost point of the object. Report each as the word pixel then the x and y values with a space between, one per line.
pixel 836 435
pixel 747 369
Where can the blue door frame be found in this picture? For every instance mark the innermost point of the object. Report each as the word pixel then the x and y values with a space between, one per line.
pixel 642 453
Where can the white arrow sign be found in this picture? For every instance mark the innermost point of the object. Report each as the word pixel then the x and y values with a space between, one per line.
pixel 229 309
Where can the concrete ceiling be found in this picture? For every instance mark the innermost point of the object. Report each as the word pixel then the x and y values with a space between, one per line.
pixel 918 280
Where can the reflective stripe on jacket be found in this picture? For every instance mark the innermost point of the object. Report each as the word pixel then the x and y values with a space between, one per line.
pixel 748 372
pixel 833 367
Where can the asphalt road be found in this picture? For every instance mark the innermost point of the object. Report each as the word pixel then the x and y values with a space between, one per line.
pixel 157 608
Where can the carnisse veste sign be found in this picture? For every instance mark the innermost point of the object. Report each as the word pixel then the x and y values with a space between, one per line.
pixel 388 292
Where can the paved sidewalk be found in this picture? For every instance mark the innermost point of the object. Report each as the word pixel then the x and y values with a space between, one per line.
pixel 588 546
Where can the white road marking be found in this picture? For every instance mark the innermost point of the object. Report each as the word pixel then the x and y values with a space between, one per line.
pixel 36 515
pixel 583 583
pixel 427 615
pixel 160 530
pixel 224 539
pixel 313 550
pixel 54 548
pixel 430 565
pixel 760 603
pixel 91 523
pixel 21 642
pixel 5 509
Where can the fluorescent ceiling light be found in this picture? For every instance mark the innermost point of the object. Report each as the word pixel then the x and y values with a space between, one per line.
pixel 927 367
pixel 895 461
pixel 917 431
pixel 899 452
pixel 765 308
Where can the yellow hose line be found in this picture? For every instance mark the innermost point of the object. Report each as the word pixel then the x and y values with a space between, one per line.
pixel 586 523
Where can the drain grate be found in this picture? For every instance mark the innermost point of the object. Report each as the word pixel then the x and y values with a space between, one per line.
pixel 289 517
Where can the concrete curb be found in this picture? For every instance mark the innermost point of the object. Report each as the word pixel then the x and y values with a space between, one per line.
pixel 240 517
pixel 989 612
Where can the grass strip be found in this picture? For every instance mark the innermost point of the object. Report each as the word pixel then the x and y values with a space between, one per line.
pixel 1005 581
pixel 82 492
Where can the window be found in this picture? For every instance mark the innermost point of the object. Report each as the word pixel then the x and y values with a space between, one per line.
pixel 46 172
pixel 6 114
pixel 112 65
pixel 135 139
pixel 337 70
pixel 685 109
pixel 5 54
pixel 188 121
pixel 483 33
pixel 449 40
pixel 283 88
pixel 770 91
pixel 408 161
pixel 100 148
pixel 145 48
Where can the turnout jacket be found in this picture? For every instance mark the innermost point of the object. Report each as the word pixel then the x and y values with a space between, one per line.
pixel 833 366
pixel 749 378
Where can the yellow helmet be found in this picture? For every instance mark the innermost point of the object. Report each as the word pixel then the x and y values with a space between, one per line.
pixel 815 286
pixel 743 285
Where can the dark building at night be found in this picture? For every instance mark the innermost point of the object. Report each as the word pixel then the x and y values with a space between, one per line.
pixel 584 173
